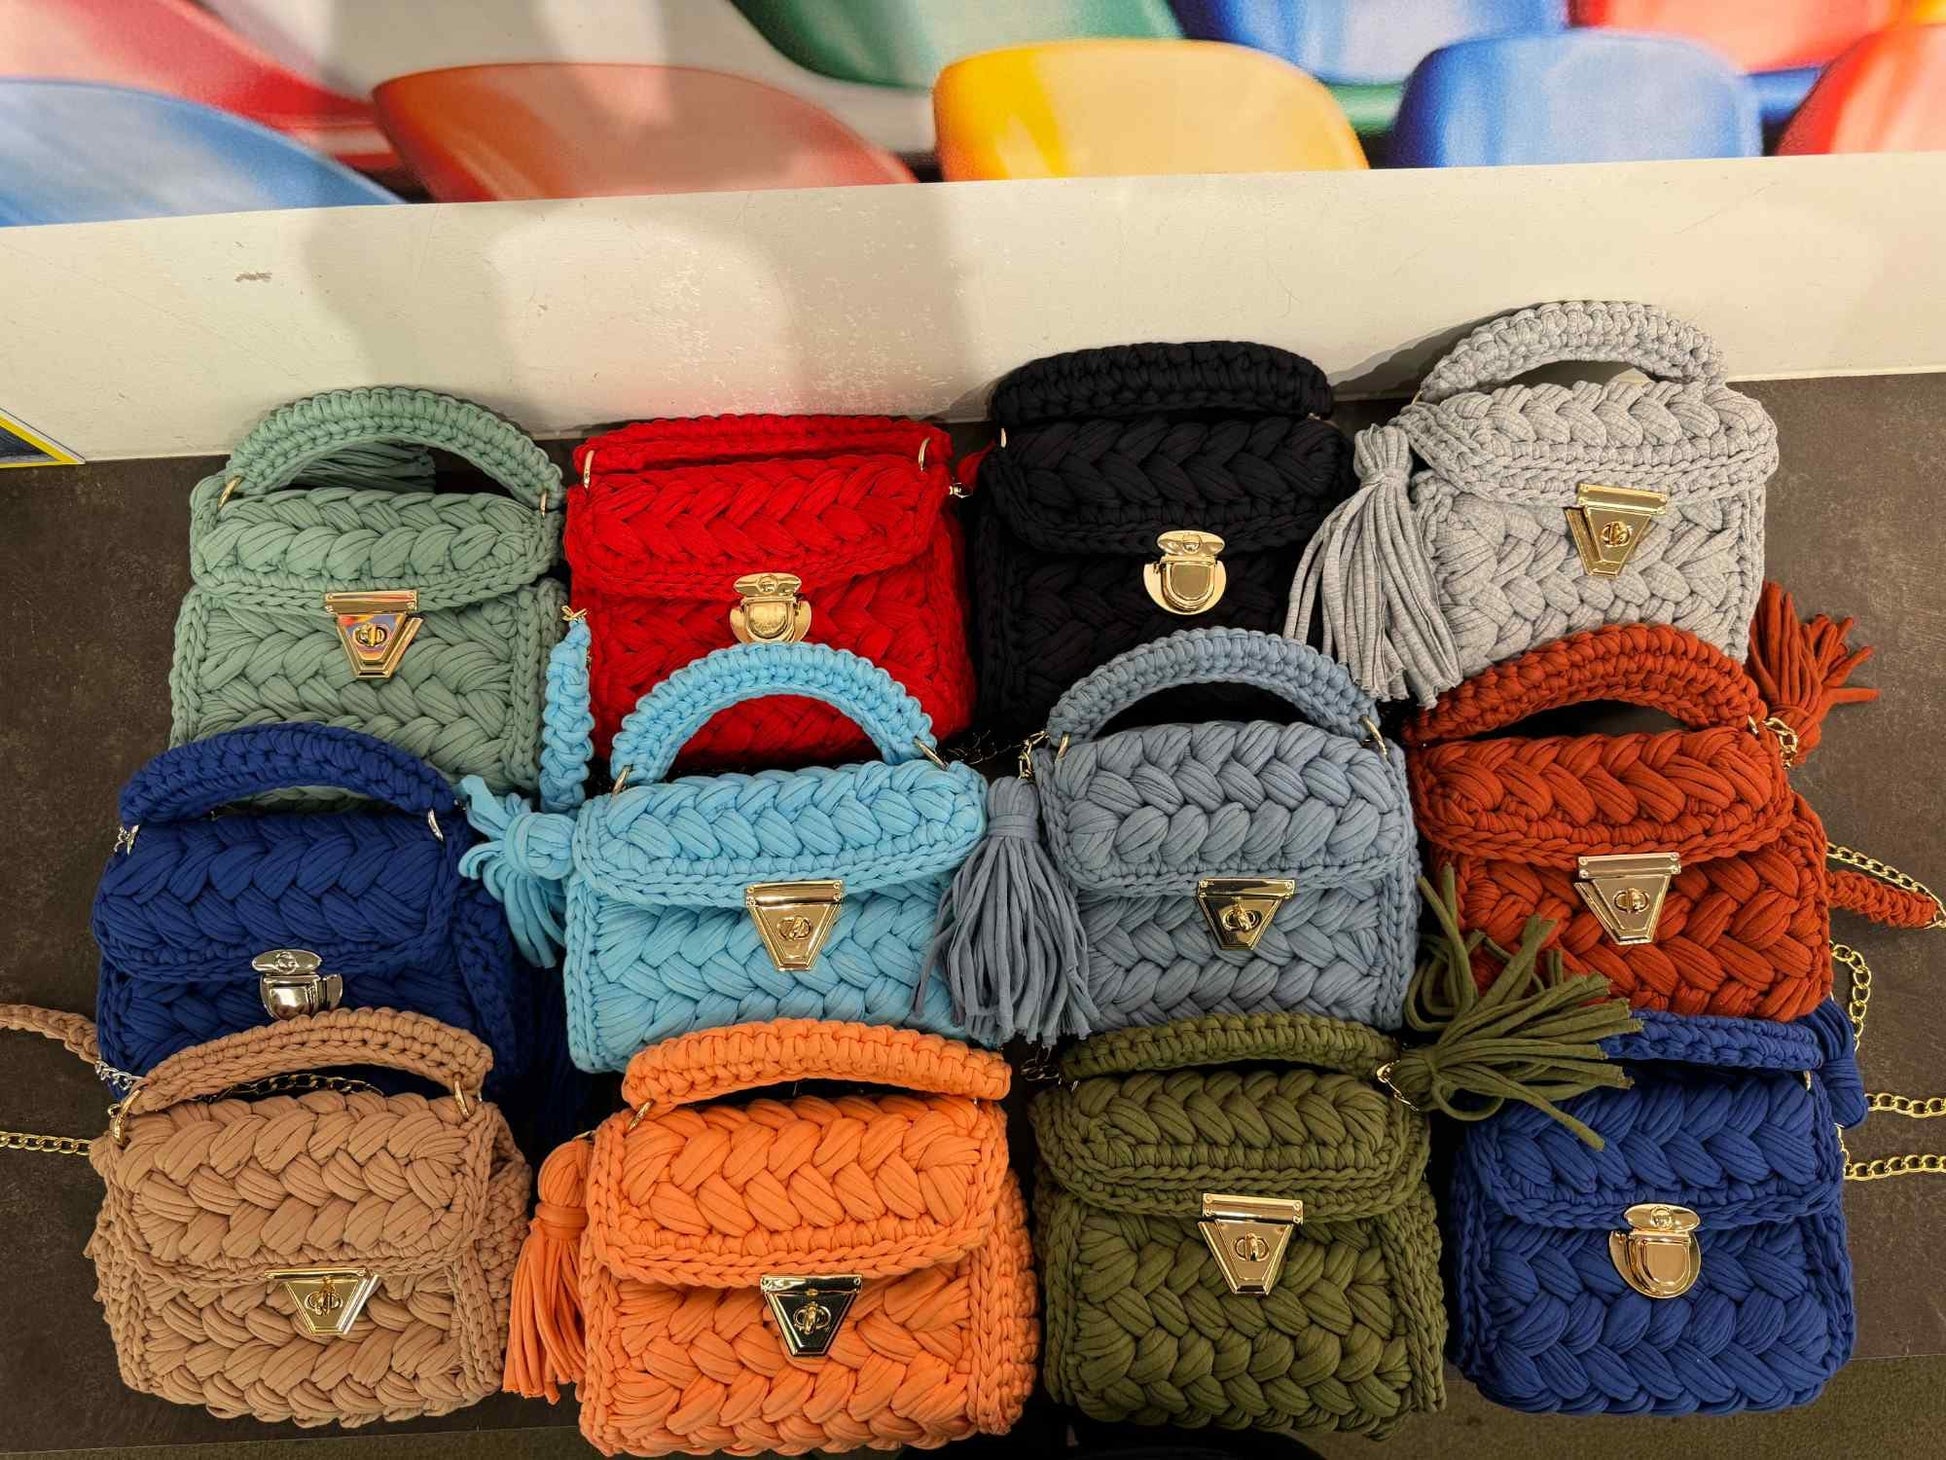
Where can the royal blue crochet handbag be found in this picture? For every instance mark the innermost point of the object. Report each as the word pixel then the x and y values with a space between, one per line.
pixel 213 923
pixel 1696 1262
pixel 728 899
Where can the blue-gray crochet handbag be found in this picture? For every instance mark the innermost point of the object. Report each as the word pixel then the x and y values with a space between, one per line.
pixel 1220 867
pixel 728 899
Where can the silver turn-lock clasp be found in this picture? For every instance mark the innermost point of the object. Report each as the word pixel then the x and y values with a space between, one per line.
pixel 289 983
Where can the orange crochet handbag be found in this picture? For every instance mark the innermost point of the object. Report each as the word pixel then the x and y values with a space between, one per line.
pixel 1678 864
pixel 791 1272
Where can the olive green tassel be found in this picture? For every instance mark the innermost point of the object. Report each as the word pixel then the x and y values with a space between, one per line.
pixel 1534 1035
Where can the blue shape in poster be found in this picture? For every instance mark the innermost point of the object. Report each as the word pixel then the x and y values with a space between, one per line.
pixel 1362 42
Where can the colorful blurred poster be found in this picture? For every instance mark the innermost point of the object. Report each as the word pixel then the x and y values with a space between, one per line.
pixel 141 108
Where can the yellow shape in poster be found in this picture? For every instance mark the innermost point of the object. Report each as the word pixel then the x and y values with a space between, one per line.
pixel 22 445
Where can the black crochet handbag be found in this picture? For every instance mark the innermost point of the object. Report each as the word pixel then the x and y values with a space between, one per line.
pixel 1136 490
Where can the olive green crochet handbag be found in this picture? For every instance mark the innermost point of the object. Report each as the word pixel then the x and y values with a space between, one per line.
pixel 334 584
pixel 1235 1229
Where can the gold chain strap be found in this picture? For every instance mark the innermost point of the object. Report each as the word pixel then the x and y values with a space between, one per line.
pixel 1857 1003
pixel 21 1140
pixel 302 1082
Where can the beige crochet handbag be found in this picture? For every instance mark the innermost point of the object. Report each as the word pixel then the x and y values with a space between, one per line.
pixel 292 1245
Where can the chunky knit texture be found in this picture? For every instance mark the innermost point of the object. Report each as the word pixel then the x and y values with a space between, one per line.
pixel 333 494
pixel 640 1276
pixel 1746 925
pixel 208 1191
pixel 375 892
pixel 1135 819
pixel 1721 1118
pixel 1140 1324
pixel 1103 449
pixel 674 512
pixel 1436 570
pixel 645 886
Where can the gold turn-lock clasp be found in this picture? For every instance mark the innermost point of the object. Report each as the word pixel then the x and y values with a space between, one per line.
pixel 1248 1236
pixel 793 919
pixel 328 1300
pixel 1658 1255
pixel 1609 523
pixel 770 611
pixel 809 1311
pixel 1239 909
pixel 1626 892
pixel 1187 579
pixel 289 983
pixel 375 628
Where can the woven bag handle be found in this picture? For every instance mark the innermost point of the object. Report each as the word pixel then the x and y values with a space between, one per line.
pixel 1651 665
pixel 194 779
pixel 1228 1039
pixel 335 1039
pixel 712 1063
pixel 1627 334
pixel 1123 381
pixel 668 715
pixel 75 1031
pixel 703 441
pixel 1319 688
pixel 297 436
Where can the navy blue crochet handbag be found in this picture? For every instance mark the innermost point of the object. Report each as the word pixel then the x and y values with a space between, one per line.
pixel 213 923
pixel 1697 1261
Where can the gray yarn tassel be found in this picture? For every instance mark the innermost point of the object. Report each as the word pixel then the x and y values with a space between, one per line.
pixel 1010 943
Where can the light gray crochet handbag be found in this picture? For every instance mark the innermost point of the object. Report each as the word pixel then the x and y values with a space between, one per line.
pixel 1221 867
pixel 1493 517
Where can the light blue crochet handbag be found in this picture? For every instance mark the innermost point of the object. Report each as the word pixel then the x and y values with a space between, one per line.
pixel 729 899
pixel 1209 867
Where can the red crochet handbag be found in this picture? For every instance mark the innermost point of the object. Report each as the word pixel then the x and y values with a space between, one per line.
pixel 1678 864
pixel 689 535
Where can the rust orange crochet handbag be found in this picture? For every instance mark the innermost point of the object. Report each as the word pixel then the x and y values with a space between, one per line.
pixel 790 1272
pixel 1678 864
pixel 693 535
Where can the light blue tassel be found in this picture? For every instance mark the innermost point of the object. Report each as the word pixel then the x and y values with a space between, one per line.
pixel 524 861
pixel 1010 943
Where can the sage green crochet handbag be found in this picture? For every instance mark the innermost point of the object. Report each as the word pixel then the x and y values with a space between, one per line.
pixel 1235 1229
pixel 335 584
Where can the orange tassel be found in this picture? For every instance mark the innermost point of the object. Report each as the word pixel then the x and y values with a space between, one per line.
pixel 1801 666
pixel 547 1341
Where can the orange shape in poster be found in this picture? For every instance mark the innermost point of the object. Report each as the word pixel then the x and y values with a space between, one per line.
pixel 1101 108
pixel 1759 35
pixel 575 130
pixel 1885 94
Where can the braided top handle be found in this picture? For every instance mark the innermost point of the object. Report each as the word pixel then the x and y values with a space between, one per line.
pixel 1629 334
pixel 658 728
pixel 1651 665
pixel 191 780
pixel 75 1031
pixel 387 1038
pixel 1228 1039
pixel 711 1063
pixel 1319 688
pixel 1140 380
pixel 305 432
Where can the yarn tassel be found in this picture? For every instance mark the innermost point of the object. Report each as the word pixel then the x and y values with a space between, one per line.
pixel 1534 1036
pixel 1801 666
pixel 547 1340
pixel 1010 943
pixel 523 858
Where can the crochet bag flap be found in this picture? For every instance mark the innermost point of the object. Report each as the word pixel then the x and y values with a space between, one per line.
pixel 1236 1231
pixel 211 924
pixel 1696 1260
pixel 1678 864
pixel 1216 867
pixel 1494 516
pixel 730 899
pixel 335 584
pixel 793 1270
pixel 693 535
pixel 1133 486
pixel 291 1246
